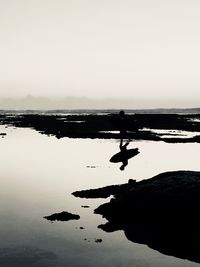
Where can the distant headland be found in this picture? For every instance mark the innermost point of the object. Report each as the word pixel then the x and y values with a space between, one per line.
pixel 140 106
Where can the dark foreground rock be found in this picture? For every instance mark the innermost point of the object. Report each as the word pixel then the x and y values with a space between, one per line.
pixel 103 192
pixel 161 212
pixel 62 216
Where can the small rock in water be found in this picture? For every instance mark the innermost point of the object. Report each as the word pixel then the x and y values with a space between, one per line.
pixel 62 216
pixel 91 167
pixel 2 135
pixel 98 240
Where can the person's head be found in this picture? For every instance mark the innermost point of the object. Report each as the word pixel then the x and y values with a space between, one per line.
pixel 121 113
pixel 125 163
pixel 122 167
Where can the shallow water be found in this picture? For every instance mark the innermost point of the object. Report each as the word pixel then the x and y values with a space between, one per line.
pixel 38 174
pixel 173 133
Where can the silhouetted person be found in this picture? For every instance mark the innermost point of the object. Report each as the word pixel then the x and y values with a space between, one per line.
pixel 125 124
pixel 122 123
pixel 123 149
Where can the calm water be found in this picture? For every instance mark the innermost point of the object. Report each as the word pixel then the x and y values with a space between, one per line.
pixel 38 174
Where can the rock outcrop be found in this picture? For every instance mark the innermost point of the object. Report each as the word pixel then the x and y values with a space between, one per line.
pixel 161 212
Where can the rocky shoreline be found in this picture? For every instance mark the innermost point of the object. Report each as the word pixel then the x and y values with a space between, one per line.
pixel 161 212
pixel 106 126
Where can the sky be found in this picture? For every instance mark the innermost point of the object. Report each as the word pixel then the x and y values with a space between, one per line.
pixel 140 49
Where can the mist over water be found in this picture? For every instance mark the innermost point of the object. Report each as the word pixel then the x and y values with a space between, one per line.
pixel 134 104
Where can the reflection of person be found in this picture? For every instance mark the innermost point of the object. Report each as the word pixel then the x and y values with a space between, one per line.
pixel 124 154
pixel 123 149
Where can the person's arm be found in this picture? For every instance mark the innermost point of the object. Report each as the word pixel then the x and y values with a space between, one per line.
pixel 121 146
pixel 127 143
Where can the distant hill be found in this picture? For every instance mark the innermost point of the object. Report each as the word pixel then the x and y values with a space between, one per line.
pixel 84 103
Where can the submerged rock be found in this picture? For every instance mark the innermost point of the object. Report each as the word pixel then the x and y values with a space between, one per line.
pixel 62 216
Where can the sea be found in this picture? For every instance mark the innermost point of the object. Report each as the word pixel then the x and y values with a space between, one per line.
pixel 39 173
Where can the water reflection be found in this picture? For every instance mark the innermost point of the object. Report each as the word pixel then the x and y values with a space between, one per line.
pixel 124 155
pixel 40 183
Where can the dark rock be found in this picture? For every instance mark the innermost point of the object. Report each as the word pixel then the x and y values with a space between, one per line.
pixel 62 216
pixel 98 240
pixel 131 181
pixel 102 126
pixel 85 206
pixel 103 192
pixel 161 212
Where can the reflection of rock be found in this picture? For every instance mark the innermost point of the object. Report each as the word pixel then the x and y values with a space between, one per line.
pixel 63 216
pixel 161 212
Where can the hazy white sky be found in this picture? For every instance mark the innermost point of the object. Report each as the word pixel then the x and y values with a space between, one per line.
pixel 100 48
